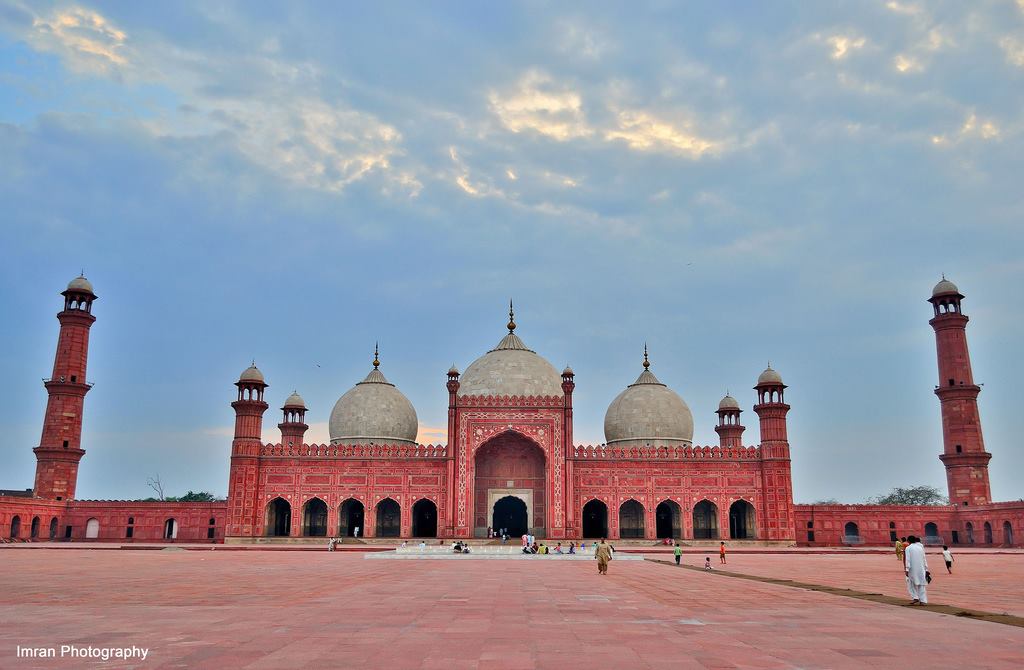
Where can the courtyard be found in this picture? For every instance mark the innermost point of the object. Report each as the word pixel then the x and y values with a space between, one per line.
pixel 313 609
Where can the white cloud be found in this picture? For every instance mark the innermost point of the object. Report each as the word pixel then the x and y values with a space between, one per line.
pixel 538 104
pixel 842 45
pixel 83 39
pixel 1014 50
pixel 906 8
pixel 972 128
pixel 643 132
pixel 907 64
pixel 578 40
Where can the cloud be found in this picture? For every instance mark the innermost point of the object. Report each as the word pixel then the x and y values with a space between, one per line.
pixel 1014 50
pixel 84 40
pixel 432 434
pixel 540 105
pixel 973 128
pixel 643 132
pixel 843 45
pixel 905 8
pixel 907 64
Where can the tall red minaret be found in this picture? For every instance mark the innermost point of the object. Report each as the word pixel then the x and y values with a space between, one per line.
pixel 964 452
pixel 776 477
pixel 60 447
pixel 729 428
pixel 244 511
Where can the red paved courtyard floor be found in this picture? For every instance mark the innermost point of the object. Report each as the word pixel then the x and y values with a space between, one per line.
pixel 256 609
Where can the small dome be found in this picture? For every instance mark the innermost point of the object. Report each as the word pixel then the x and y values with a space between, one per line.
pixel 454 371
pixel 295 400
pixel 567 372
pixel 945 287
pixel 251 374
pixel 373 411
pixel 648 412
pixel 769 376
pixel 728 402
pixel 80 283
pixel 511 369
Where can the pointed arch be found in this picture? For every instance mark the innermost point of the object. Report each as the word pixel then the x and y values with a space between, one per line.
pixel 631 519
pixel 668 516
pixel 314 518
pixel 705 520
pixel 742 520
pixel 279 518
pixel 389 518
pixel 595 519
pixel 350 517
pixel 424 518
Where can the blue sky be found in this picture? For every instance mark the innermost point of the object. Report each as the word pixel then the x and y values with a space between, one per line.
pixel 730 182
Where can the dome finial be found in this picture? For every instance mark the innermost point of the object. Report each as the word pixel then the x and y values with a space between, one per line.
pixel 511 317
pixel 647 362
pixel 376 356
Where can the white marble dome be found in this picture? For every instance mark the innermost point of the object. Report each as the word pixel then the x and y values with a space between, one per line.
pixel 295 400
pixel 373 411
pixel 648 412
pixel 945 287
pixel 769 376
pixel 251 374
pixel 511 369
pixel 728 402
pixel 80 284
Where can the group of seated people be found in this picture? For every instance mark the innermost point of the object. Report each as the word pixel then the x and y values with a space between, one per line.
pixel 557 549
pixel 460 548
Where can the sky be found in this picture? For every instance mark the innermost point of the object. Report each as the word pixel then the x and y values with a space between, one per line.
pixel 732 183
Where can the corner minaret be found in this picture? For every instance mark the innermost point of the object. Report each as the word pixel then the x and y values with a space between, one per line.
pixel 60 447
pixel 776 477
pixel 249 407
pixel 293 425
pixel 729 428
pixel 964 452
pixel 245 511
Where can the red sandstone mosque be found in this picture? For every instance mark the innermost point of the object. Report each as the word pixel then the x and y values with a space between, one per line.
pixel 510 462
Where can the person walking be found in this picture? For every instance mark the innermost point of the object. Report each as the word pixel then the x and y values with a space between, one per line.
pixel 916 571
pixel 678 551
pixel 899 549
pixel 721 553
pixel 947 556
pixel 603 554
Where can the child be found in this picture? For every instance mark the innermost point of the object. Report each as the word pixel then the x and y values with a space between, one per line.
pixel 678 551
pixel 721 553
pixel 947 556
pixel 707 563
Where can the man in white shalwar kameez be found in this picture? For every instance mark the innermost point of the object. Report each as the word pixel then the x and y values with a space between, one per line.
pixel 917 569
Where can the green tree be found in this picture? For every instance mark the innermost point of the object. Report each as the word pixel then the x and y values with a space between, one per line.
pixel 197 496
pixel 915 495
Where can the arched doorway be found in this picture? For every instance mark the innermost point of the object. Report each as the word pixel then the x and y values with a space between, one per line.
pixel 15 526
pixel 705 520
pixel 389 518
pixel 669 519
pixel 742 523
pixel 314 518
pixel 970 533
pixel 53 528
pixel 931 533
pixel 279 518
pixel 350 517
pixel 170 529
pixel 35 528
pixel 851 533
pixel 1007 534
pixel 631 519
pixel 595 519
pixel 424 518
pixel 92 529
pixel 988 533
pixel 510 513
pixel 509 464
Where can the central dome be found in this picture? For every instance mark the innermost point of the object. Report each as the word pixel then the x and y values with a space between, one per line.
pixel 511 369
pixel 373 411
pixel 648 412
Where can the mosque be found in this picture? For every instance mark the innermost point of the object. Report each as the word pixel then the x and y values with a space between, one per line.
pixel 510 463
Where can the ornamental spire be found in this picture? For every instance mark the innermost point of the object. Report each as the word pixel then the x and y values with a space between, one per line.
pixel 647 362
pixel 376 356
pixel 511 317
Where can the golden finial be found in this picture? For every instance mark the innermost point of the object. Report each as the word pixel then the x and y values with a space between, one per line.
pixel 647 362
pixel 376 356
pixel 511 317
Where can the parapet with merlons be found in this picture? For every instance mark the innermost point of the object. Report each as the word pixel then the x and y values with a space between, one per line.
pixel 651 452
pixel 355 451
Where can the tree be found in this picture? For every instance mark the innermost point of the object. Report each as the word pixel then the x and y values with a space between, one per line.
pixel 915 495
pixel 827 501
pixel 197 496
pixel 155 484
